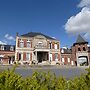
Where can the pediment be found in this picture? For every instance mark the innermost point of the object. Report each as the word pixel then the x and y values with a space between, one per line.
pixel 40 37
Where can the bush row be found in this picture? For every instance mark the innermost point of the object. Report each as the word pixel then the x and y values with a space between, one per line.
pixel 9 80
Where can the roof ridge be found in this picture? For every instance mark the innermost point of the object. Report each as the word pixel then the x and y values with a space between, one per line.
pixel 33 34
pixel 80 39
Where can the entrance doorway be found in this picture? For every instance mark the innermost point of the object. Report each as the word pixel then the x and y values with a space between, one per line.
pixel 42 56
pixel 83 60
pixel 11 59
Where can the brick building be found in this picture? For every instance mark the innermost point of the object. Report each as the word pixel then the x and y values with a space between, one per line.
pixel 37 48
pixel 7 54
pixel 78 55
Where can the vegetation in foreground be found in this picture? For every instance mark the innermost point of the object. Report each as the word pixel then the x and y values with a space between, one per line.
pixel 9 80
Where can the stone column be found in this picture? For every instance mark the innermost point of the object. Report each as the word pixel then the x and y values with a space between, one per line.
pixel 36 56
pixel 49 56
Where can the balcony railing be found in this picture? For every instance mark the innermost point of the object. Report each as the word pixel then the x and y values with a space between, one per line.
pixel 40 46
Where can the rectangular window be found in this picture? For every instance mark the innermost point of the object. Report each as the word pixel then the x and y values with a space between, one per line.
pixel 50 55
pixel 62 59
pixel 68 59
pixel 50 45
pixel 55 46
pixel 28 44
pixel 56 55
pixel 21 44
pixel 72 62
pixel 20 56
pixel 27 56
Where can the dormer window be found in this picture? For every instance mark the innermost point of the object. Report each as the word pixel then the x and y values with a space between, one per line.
pixel 11 48
pixel 62 51
pixel 2 47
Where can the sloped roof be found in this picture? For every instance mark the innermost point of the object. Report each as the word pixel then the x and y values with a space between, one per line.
pixel 7 47
pixel 33 34
pixel 80 40
pixel 66 51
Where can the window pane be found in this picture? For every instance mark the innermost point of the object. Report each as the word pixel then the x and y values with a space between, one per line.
pixel 56 56
pixel 55 46
pixel 19 56
pixel 50 45
pixel 2 47
pixel 28 44
pixel 84 49
pixel 68 59
pixel 11 48
pixel 79 49
pixel 21 44
pixel 28 56
pixel 62 59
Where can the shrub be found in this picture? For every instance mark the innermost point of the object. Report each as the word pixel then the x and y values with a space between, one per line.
pixel 9 80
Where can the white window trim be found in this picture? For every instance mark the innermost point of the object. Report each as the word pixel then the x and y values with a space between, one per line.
pixel 55 46
pixel 2 47
pixel 50 56
pixel 20 44
pixel 72 62
pixel 28 57
pixel 28 46
pixel 63 60
pixel 11 48
pixel 68 59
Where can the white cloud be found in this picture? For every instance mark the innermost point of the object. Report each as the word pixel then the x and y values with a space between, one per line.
pixel 88 45
pixel 84 3
pixel 8 37
pixel 2 43
pixel 80 23
pixel 53 37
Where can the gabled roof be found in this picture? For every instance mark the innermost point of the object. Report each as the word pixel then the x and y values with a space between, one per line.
pixel 80 40
pixel 33 34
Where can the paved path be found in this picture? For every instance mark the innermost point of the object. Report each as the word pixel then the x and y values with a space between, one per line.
pixel 65 71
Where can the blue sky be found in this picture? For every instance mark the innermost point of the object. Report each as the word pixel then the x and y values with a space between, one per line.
pixel 50 17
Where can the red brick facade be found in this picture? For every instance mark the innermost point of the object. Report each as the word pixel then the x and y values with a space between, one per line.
pixel 79 54
pixel 30 56
pixel 42 48
pixel 6 56
pixel 24 56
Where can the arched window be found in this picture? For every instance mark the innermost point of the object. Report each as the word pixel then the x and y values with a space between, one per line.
pixel 79 49
pixel 84 49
